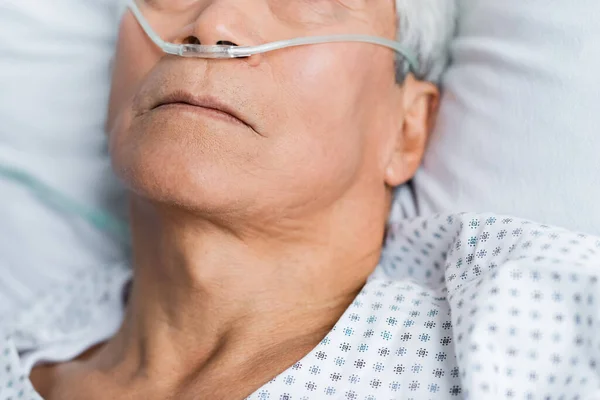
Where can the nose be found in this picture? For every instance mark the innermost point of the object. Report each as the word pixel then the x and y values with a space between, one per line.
pixel 222 22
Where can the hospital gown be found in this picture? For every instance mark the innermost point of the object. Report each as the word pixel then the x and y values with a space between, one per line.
pixel 461 307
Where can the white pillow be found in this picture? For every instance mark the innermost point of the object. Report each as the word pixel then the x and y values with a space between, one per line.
pixel 519 129
pixel 54 79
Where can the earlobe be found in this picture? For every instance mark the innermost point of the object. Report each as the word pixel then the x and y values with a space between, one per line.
pixel 396 173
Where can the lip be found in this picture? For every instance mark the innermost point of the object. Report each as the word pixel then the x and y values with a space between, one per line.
pixel 207 102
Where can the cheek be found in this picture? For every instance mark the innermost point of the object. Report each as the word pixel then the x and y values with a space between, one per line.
pixel 315 147
pixel 134 58
pixel 327 126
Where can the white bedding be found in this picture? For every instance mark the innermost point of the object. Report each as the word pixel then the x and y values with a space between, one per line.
pixel 517 131
pixel 54 84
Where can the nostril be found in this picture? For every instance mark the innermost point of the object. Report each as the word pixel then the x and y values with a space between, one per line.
pixel 225 43
pixel 191 40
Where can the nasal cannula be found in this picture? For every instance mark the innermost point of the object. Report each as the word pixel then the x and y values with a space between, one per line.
pixel 226 51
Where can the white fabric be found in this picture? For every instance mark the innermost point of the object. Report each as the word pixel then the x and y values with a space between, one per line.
pixel 519 128
pixel 462 306
pixel 54 79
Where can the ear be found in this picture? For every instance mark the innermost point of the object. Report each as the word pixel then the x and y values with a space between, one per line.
pixel 420 105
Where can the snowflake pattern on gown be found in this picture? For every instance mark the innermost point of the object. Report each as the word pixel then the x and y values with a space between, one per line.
pixel 462 306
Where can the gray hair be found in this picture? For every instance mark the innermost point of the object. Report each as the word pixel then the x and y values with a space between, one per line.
pixel 426 27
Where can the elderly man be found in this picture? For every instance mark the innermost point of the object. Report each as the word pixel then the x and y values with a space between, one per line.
pixel 260 188
pixel 261 173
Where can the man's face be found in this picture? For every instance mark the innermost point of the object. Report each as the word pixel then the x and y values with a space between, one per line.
pixel 302 127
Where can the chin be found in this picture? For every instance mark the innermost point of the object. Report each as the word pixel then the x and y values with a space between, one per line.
pixel 193 166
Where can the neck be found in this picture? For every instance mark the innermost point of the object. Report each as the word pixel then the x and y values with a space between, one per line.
pixel 205 294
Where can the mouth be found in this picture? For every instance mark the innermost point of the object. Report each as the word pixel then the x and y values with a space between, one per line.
pixel 207 104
